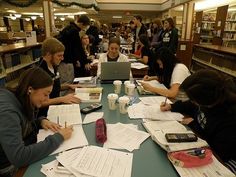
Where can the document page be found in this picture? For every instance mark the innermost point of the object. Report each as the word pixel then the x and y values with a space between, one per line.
pixel 101 162
pixel 154 100
pixel 78 139
pixel 69 113
pixel 127 137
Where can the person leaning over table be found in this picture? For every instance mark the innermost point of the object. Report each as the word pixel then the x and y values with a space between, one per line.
pixel 52 52
pixel 171 73
pixel 113 54
pixel 211 112
pixel 19 125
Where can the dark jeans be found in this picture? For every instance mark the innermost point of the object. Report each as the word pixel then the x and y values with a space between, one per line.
pixel 8 171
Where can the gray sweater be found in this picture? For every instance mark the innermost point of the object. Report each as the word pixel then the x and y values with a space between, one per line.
pixel 14 148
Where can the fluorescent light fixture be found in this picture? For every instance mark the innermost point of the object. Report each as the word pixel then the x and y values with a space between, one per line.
pixel 62 18
pixel 33 17
pixel 13 17
pixel 70 14
pixel 11 11
pixel 32 13
pixel 209 4
pixel 17 15
pixel 116 16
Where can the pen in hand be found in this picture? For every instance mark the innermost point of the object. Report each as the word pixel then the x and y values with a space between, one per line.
pixel 58 120
pixel 65 124
pixel 165 101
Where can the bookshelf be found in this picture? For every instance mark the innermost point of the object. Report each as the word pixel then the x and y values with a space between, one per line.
pixel 229 36
pixel 215 57
pixel 14 59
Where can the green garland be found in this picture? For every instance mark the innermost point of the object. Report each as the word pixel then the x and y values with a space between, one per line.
pixel 86 6
pixel 30 2
pixel 20 4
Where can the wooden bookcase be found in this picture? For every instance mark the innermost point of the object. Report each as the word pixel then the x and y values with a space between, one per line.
pixel 14 59
pixel 220 58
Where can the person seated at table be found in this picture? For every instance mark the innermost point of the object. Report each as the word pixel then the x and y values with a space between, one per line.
pixel 171 73
pixel 90 53
pixel 19 124
pixel 211 112
pixel 113 54
pixel 52 52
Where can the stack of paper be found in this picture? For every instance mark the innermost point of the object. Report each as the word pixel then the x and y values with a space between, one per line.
pixel 153 83
pixel 122 136
pixel 90 161
pixel 69 113
pixel 158 129
pixel 77 139
pixel 153 112
pixel 89 94
pixel 138 65
pixel 86 81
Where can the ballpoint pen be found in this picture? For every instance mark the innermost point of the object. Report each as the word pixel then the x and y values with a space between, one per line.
pixel 165 101
pixel 65 124
pixel 58 120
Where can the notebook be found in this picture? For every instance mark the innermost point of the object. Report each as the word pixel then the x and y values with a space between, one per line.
pixel 111 71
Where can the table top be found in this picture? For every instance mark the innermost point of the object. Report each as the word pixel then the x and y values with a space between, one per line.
pixel 150 160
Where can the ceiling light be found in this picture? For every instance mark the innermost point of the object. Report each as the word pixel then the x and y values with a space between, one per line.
pixel 55 17
pixel 17 15
pixel 11 11
pixel 13 17
pixel 27 19
pixel 33 17
pixel 62 18
pixel 116 16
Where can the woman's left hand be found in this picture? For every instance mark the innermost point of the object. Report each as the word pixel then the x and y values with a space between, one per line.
pixel 46 124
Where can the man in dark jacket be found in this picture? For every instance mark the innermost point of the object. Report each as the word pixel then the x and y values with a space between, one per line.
pixel 74 53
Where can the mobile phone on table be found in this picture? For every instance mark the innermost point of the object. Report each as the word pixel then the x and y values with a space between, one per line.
pixel 91 108
pixel 180 137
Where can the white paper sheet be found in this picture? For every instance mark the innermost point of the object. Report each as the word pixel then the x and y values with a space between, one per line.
pixel 154 100
pixel 92 117
pixel 126 137
pixel 97 161
pixel 69 113
pixel 158 129
pixel 112 145
pixel 78 79
pixel 138 65
pixel 78 139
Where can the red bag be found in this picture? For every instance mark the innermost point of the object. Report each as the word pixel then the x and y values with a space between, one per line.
pixel 101 131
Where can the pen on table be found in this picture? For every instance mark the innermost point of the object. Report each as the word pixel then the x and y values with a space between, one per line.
pixel 65 124
pixel 58 120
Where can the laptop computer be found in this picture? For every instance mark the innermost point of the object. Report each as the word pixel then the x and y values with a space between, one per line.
pixel 111 71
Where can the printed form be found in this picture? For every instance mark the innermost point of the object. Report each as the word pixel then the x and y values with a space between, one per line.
pixel 101 162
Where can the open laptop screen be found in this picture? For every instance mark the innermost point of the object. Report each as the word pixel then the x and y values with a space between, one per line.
pixel 111 71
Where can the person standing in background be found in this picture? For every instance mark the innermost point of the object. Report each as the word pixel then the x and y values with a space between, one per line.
pixel 157 33
pixel 139 29
pixel 74 52
pixel 170 35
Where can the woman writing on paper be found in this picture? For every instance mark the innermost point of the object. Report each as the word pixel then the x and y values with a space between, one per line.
pixel 171 73
pixel 113 54
pixel 211 111
pixel 19 124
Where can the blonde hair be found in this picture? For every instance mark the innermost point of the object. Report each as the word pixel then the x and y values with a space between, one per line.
pixel 52 46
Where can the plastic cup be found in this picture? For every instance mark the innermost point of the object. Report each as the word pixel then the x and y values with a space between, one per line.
pixel 112 101
pixel 117 86
pixel 123 104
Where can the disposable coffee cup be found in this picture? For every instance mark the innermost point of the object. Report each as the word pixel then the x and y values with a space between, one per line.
pixel 112 98
pixel 126 83
pixel 117 86
pixel 123 104
pixel 130 89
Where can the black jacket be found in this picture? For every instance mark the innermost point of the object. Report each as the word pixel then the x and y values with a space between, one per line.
pixel 217 126
pixel 170 39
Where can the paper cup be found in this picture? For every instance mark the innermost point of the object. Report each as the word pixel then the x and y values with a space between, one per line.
pixel 126 83
pixel 112 101
pixel 117 86
pixel 130 89
pixel 123 104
